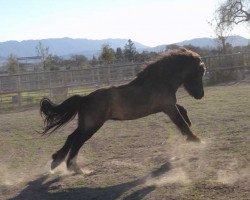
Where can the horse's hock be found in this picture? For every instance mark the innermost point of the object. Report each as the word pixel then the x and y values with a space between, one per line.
pixel 59 94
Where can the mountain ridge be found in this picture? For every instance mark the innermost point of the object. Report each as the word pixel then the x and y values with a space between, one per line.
pixel 89 47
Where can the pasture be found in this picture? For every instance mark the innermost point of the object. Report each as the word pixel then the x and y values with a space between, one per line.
pixel 140 159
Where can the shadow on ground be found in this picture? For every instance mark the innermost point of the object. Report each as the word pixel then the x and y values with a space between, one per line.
pixel 43 189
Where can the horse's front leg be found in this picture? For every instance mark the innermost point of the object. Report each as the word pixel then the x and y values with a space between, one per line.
pixel 184 114
pixel 173 112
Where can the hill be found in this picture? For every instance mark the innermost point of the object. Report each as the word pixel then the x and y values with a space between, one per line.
pixel 61 46
pixel 68 46
pixel 211 42
pixel 207 42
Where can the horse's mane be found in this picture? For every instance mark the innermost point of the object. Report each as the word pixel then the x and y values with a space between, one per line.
pixel 166 65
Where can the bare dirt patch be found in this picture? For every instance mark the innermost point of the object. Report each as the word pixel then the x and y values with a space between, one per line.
pixel 140 159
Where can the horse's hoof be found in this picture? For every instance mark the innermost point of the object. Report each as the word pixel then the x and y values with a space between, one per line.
pixel 193 138
pixel 54 164
pixel 78 171
pixel 75 169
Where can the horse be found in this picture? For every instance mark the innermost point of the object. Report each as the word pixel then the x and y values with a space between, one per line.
pixel 152 91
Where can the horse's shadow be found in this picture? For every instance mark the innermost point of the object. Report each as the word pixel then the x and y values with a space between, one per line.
pixel 42 189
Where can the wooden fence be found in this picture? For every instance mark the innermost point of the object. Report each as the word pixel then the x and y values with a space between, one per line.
pixel 27 89
pixel 227 67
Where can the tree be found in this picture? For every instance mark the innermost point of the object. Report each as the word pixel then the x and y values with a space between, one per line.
pixel 145 56
pixel 229 14
pixel 107 54
pixel 53 62
pixel 130 51
pixel 42 52
pixel 233 12
pixel 94 61
pixel 79 60
pixel 119 55
pixel 12 64
pixel 222 32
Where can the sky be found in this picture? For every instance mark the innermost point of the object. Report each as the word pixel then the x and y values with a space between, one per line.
pixel 150 22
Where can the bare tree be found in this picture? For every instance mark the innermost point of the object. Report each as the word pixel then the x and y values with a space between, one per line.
pixel 229 14
pixel 42 52
pixel 233 12
pixel 222 32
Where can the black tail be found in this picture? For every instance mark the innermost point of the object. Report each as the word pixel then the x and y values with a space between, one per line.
pixel 58 115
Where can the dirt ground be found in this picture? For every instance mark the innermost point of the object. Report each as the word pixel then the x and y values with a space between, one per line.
pixel 140 159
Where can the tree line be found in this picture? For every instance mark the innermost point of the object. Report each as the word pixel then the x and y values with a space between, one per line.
pixel 109 56
pixel 50 62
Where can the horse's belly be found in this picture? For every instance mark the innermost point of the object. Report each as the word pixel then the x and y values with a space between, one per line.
pixel 131 103
pixel 131 112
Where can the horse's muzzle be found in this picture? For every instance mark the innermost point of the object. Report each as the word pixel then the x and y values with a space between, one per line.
pixel 199 95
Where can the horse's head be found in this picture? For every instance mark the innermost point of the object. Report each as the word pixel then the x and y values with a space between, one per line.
pixel 193 77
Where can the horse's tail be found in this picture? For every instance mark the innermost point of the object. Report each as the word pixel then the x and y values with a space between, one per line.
pixel 56 116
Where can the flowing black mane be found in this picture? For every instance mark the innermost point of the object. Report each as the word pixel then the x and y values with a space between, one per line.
pixel 166 65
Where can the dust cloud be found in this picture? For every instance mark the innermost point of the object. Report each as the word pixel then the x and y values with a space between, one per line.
pixel 177 175
pixel 188 163
pixel 233 172
pixel 191 163
pixel 63 171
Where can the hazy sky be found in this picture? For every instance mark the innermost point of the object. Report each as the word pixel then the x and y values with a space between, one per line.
pixel 151 22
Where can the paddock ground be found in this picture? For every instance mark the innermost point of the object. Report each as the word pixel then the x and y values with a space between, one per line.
pixel 140 159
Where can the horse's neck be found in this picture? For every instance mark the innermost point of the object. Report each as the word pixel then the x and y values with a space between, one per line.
pixel 173 83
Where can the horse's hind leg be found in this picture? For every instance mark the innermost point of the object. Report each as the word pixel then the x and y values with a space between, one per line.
pixel 79 140
pixel 59 156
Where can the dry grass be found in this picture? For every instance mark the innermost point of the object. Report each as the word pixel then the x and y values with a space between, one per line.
pixel 140 159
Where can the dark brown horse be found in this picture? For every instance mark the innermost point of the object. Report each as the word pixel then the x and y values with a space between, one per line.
pixel 152 91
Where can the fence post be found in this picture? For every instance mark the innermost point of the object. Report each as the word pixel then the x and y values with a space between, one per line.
pixel 107 73
pixel 244 66
pixel 50 87
pixel 133 71
pixel 98 75
pixel 19 91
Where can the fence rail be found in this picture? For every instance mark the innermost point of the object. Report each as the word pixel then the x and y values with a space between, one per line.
pixel 227 60
pixel 26 89
pixel 29 82
pixel 227 66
